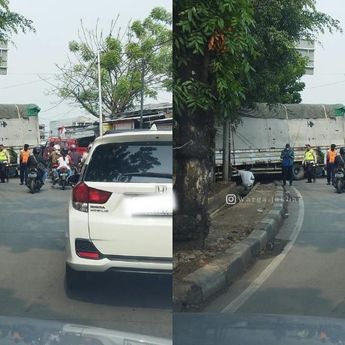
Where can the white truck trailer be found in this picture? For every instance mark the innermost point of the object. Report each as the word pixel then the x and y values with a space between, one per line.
pixel 257 141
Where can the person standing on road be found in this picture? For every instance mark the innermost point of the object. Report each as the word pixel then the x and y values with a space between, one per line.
pixel 287 156
pixel 330 163
pixel 23 163
pixel 4 160
pixel 309 162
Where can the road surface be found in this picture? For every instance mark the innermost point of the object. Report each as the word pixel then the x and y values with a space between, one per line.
pixel 304 274
pixel 32 271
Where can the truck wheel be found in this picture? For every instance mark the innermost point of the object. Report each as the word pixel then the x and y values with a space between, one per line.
pixel 298 172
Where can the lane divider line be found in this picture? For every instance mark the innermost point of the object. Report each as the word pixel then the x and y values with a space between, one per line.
pixel 259 281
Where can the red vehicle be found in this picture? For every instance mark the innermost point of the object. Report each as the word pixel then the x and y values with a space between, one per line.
pixel 81 144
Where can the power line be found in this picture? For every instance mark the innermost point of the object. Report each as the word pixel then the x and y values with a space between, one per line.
pixel 323 85
pixel 22 84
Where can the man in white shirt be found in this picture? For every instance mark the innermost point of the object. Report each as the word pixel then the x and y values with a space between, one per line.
pixel 247 178
pixel 63 161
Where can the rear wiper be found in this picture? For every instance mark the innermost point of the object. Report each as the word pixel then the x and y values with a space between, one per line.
pixel 149 174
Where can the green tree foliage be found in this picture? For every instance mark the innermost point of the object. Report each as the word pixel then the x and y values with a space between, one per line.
pixel 278 66
pixel 145 47
pixel 228 53
pixel 212 44
pixel 12 22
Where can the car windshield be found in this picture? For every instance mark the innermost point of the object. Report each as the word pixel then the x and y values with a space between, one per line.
pixel 132 162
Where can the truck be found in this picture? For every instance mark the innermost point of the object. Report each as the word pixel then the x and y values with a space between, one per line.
pixel 263 131
pixel 18 126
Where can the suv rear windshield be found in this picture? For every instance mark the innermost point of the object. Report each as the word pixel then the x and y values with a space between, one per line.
pixel 132 162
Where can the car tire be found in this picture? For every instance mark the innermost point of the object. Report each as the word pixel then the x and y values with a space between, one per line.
pixel 298 172
pixel 73 279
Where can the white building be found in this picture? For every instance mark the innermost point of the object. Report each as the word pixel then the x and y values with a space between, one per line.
pixel 3 58
pixel 307 49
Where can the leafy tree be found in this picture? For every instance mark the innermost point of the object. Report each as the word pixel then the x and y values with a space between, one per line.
pixel 228 53
pixel 12 22
pixel 145 47
pixel 212 44
pixel 278 66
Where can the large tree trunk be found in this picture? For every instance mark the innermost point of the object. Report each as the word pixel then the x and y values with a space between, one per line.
pixel 193 167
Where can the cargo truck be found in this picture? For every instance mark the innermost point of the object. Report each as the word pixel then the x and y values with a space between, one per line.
pixel 18 126
pixel 257 141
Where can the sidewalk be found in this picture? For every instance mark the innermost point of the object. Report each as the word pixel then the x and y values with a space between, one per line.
pixel 200 273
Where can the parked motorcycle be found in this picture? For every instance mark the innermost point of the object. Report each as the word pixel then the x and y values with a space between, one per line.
pixel 33 182
pixel 339 180
pixel 3 171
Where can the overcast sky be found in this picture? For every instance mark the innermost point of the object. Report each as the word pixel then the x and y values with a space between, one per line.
pixel 327 85
pixel 57 22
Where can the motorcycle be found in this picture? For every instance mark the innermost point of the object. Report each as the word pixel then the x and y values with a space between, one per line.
pixel 62 179
pixel 3 171
pixel 33 182
pixel 339 180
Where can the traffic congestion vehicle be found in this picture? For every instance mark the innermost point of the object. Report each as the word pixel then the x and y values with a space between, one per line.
pixel 120 212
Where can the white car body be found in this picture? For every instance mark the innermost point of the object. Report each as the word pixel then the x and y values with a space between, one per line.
pixel 132 227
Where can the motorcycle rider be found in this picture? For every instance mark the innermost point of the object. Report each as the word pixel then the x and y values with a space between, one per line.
pixel 55 155
pixel 309 162
pixel 340 159
pixel 63 161
pixel 37 161
pixel 85 154
pixel 75 157
pixel 4 159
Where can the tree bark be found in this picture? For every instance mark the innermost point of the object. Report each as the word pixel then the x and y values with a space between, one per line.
pixel 193 167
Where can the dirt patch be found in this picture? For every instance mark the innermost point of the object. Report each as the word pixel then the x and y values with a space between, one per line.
pixel 230 225
pixel 215 188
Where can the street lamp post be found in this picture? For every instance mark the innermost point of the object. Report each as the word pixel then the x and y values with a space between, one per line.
pixel 100 94
pixel 142 92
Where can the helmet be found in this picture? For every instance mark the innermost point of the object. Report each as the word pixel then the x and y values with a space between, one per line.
pixel 56 147
pixel 73 146
pixel 36 150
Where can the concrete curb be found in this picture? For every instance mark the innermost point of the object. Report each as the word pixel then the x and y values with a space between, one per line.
pixel 209 280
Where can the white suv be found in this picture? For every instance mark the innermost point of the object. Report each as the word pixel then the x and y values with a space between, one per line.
pixel 120 213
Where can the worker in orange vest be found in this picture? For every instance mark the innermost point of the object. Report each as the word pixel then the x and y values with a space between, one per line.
pixel 330 163
pixel 23 163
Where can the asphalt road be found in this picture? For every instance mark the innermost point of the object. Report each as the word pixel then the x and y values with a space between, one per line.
pixel 32 272
pixel 304 274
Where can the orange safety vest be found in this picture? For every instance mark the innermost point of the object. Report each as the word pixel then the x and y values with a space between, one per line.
pixel 24 156
pixel 331 156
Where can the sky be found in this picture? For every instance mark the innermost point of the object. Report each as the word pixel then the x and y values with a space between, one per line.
pixel 327 85
pixel 35 55
pixel 57 22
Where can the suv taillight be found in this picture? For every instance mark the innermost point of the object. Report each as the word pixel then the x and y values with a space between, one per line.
pixel 84 195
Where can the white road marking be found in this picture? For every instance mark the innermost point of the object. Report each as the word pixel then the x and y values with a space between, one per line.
pixel 257 283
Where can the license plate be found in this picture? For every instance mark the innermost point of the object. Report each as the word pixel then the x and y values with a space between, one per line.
pixel 32 175
pixel 63 174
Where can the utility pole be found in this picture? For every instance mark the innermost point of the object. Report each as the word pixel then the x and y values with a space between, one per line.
pixel 226 149
pixel 100 94
pixel 142 92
